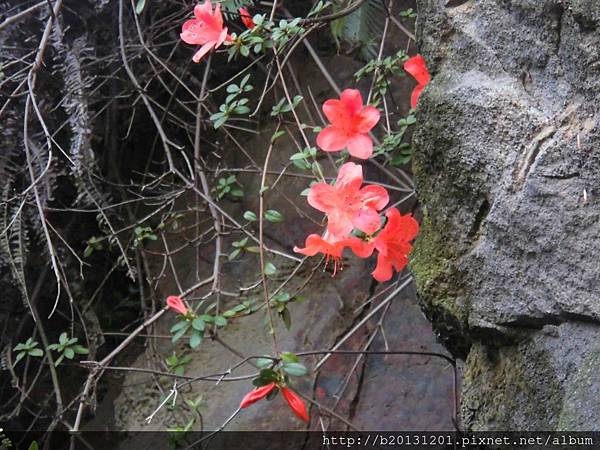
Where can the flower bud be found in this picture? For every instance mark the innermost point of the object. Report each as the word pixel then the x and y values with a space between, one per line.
pixel 255 395
pixel 295 403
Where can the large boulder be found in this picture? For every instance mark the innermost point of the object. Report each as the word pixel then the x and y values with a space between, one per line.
pixel 507 165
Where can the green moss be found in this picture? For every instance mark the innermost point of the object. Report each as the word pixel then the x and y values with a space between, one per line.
pixel 438 284
pixel 510 387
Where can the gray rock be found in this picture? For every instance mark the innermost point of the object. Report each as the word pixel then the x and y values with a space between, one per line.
pixel 507 167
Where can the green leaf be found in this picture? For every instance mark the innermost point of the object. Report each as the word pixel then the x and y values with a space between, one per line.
pixel 36 352
pixel 282 297
pixel 179 334
pixel 250 216
pixel 139 7
pixel 198 324
pixel 264 362
pixel 277 135
pixel 268 374
pixel 219 122
pixel 179 325
pixel 63 339
pixel 234 254
pixel 69 353
pixel 295 369
pixel 286 317
pixel 19 357
pixel 289 357
pixel 33 446
pixel 241 243
pixel 273 216
pixel 270 269
pixel 195 339
pixel 80 349
pixel 220 321
pixel 207 318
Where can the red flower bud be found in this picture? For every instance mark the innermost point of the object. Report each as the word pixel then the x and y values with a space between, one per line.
pixel 255 395
pixel 176 304
pixel 246 18
pixel 295 403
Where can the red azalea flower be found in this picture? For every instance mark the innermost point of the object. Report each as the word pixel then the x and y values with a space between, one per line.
pixel 176 304
pixel 333 247
pixel 350 123
pixel 393 244
pixel 295 403
pixel 246 18
pixel 206 29
pixel 255 395
pixel 416 67
pixel 346 204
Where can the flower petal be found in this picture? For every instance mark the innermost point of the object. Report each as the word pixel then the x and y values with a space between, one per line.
pixel 383 270
pixel 350 177
pixel 328 245
pixel 203 51
pixel 217 17
pixel 337 113
pixel 417 68
pixel 339 222
pixel 401 227
pixel 352 99
pixel 331 139
pixel 367 220
pixel 323 197
pixel 360 146
pixel 203 11
pixel 416 93
pixel 191 32
pixel 359 247
pixel 366 119
pixel 374 196
pixel 222 37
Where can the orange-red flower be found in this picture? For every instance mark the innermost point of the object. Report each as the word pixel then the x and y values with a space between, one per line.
pixel 350 125
pixel 206 29
pixel 255 395
pixel 295 403
pixel 177 304
pixel 346 204
pixel 333 247
pixel 393 244
pixel 416 67
pixel 246 18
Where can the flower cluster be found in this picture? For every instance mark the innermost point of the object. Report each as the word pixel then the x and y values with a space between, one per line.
pixel 349 205
pixel 356 213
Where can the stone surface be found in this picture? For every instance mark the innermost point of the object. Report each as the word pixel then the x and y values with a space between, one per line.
pixel 507 166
